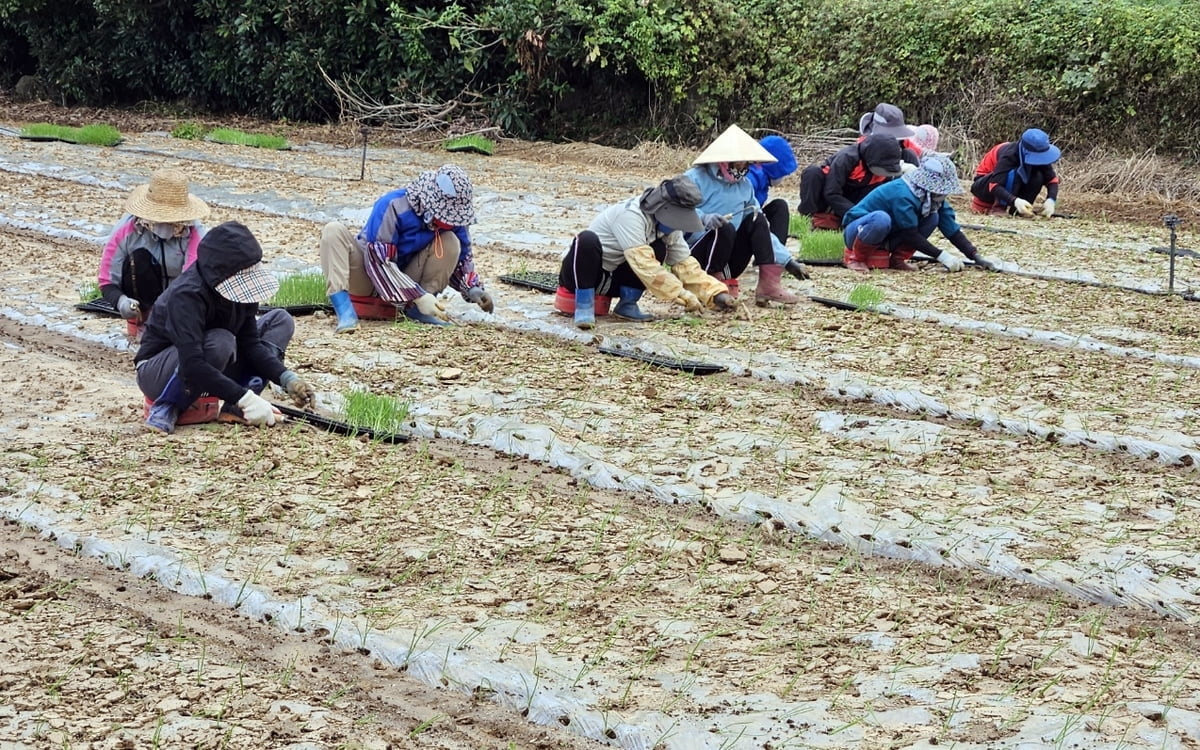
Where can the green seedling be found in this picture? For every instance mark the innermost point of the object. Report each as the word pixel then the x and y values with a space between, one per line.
pixel 190 131
pixel 865 297
pixel 798 226
pixel 240 138
pixel 473 143
pixel 380 414
pixel 89 291
pixel 821 244
pixel 300 289
pixel 88 135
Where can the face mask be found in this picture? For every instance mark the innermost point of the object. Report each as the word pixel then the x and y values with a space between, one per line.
pixel 164 231
pixel 732 172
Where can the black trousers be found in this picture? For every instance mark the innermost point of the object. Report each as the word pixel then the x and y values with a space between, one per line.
pixel 729 251
pixel 583 266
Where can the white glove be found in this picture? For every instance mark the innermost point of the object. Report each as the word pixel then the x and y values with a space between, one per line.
pixel 257 410
pixel 953 263
pixel 432 306
pixel 1048 208
pixel 477 295
pixel 129 308
pixel 1023 207
pixel 907 166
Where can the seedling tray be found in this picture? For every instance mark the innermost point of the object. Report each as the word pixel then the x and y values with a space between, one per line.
pixel 820 261
pixel 687 365
pixel 297 309
pixel 99 306
pixel 339 428
pixel 543 281
pixel 1179 252
pixel 835 303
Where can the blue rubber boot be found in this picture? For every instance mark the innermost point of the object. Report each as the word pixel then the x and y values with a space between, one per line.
pixel 165 411
pixel 585 309
pixel 347 319
pixel 627 308
pixel 412 312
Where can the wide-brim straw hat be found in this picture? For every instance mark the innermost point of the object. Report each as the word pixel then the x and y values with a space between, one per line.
pixel 735 145
pixel 166 199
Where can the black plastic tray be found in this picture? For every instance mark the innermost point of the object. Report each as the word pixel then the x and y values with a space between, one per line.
pixel 99 306
pixel 1179 252
pixel 820 261
pixel 835 303
pixel 543 281
pixel 687 365
pixel 47 138
pixel 340 428
pixel 297 309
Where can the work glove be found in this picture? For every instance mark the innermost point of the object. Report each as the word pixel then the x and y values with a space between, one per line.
pixel 432 306
pixel 129 308
pixel 301 392
pixel 477 295
pixel 724 302
pixel 257 410
pixel 1048 208
pixel 713 221
pixel 690 302
pixel 1023 207
pixel 907 166
pixel 984 263
pixel 953 263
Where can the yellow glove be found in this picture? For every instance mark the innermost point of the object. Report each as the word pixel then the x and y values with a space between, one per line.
pixel 661 282
pixel 696 281
pixel 690 302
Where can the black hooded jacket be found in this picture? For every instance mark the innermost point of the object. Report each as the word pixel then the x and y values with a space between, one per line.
pixel 848 176
pixel 191 306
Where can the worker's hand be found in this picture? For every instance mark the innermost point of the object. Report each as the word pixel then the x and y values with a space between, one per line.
pixel 984 263
pixel 952 262
pixel 432 306
pixel 301 392
pixel 129 308
pixel 690 302
pixel 713 221
pixel 1048 208
pixel 1023 207
pixel 257 410
pixel 477 295
pixel 724 302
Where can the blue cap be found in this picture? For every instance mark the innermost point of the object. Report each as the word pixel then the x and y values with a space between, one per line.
pixel 1036 148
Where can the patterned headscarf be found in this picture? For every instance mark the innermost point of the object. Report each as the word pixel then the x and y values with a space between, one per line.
pixel 443 195
pixel 937 176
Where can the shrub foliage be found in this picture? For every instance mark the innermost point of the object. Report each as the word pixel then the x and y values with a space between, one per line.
pixel 1089 71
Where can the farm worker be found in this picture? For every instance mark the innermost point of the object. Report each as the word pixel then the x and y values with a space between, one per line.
pixel 415 243
pixel 151 245
pixel 924 140
pixel 735 230
pixel 896 219
pixel 1011 175
pixel 827 191
pixel 202 337
pixel 764 176
pixel 625 249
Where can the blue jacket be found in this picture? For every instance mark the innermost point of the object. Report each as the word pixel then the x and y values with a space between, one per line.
pixel 720 197
pixel 898 201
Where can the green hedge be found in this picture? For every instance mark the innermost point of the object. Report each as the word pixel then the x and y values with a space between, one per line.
pixel 1089 71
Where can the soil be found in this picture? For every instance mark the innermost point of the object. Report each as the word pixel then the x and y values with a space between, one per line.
pixel 870 531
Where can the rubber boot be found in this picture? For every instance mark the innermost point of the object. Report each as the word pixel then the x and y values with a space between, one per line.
pixel 731 284
pixel 627 308
pixel 347 319
pixel 855 257
pixel 165 411
pixel 770 286
pixel 412 312
pixel 899 259
pixel 797 269
pixel 585 309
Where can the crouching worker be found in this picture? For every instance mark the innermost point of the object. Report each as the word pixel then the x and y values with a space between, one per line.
pixel 203 339
pixel 1010 176
pixel 414 245
pixel 624 249
pixel 895 220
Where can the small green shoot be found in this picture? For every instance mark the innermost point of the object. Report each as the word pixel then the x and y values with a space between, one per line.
pixel 240 138
pixel 300 289
pixel 189 131
pixel 88 135
pixel 89 291
pixel 380 414
pixel 799 226
pixel 821 244
pixel 472 143
pixel 865 297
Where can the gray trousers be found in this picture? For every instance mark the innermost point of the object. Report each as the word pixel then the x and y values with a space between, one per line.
pixel 275 328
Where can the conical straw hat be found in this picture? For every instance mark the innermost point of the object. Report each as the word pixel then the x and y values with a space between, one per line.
pixel 734 145
pixel 166 199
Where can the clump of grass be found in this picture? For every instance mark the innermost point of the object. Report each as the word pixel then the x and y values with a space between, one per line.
pixel 240 138
pixel 89 291
pixel 190 131
pixel 300 289
pixel 89 135
pixel 380 414
pixel 821 244
pixel 865 297
pixel 474 143
pixel 798 226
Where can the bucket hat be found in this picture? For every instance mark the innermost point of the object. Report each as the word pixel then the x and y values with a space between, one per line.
pixel 937 174
pixel 673 203
pixel 886 119
pixel 1036 148
pixel 444 194
pixel 166 199
pixel 926 137
pixel 735 145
